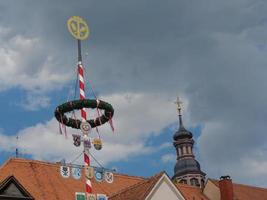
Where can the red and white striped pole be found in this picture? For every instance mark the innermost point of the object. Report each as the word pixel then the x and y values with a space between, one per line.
pixel 88 184
pixel 81 85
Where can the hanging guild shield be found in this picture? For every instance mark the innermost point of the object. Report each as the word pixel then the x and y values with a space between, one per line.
pixel 108 177
pixel 89 172
pixel 80 196
pixel 91 197
pixel 86 142
pixel 76 172
pixel 97 143
pixel 76 140
pixel 102 197
pixel 65 171
pixel 98 175
pixel 85 127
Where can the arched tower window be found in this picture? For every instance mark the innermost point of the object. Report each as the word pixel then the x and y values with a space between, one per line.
pixel 186 147
pixel 183 181
pixel 180 152
pixel 202 182
pixel 184 150
pixel 194 182
pixel 189 150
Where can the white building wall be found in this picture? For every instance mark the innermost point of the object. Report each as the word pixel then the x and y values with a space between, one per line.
pixel 165 192
pixel 164 189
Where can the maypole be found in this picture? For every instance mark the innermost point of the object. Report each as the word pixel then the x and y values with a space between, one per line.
pixel 79 30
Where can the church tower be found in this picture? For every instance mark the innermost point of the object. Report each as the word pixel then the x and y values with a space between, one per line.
pixel 187 169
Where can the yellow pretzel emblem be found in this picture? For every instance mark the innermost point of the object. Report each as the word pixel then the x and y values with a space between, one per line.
pixel 78 27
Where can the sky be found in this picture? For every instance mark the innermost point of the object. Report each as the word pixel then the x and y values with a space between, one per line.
pixel 139 57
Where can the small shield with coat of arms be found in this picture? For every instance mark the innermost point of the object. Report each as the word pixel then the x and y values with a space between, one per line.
pixel 97 143
pixel 85 127
pixel 87 142
pixel 109 177
pixel 80 196
pixel 89 172
pixel 65 171
pixel 102 197
pixel 76 172
pixel 91 197
pixel 76 140
pixel 99 175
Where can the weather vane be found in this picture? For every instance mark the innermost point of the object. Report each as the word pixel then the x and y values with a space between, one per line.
pixel 179 103
pixel 80 31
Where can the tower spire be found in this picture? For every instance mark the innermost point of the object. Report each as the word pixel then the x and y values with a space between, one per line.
pixel 187 169
pixel 178 102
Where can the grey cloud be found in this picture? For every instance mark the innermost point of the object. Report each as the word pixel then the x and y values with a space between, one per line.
pixel 213 52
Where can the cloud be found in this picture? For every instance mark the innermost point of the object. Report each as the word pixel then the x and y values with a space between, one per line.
pixel 211 52
pixel 25 65
pixel 34 102
pixel 133 128
pixel 168 158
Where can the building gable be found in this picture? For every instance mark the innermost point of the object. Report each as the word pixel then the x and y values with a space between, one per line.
pixel 164 189
pixel 10 188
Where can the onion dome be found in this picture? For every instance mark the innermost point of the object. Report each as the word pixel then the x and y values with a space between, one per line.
pixel 188 165
pixel 181 132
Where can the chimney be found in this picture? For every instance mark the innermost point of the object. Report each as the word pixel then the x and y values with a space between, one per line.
pixel 226 188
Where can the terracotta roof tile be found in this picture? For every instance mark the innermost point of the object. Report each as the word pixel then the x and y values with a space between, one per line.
pixel 246 192
pixel 44 182
pixel 138 191
pixel 191 192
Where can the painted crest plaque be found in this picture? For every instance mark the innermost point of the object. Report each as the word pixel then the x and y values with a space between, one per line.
pixel 85 127
pixel 86 142
pixel 65 171
pixel 76 140
pixel 98 176
pixel 80 196
pixel 97 143
pixel 89 172
pixel 91 197
pixel 76 172
pixel 102 197
pixel 109 177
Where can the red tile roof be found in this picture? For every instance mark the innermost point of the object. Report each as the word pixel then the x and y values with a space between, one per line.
pixel 191 192
pixel 138 191
pixel 246 192
pixel 44 182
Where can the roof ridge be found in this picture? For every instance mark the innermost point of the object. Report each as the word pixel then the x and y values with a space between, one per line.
pixel 130 176
pixel 154 179
pixel 128 188
pixel 138 184
pixel 31 160
pixel 5 163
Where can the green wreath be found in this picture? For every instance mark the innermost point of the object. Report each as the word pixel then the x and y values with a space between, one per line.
pixel 85 103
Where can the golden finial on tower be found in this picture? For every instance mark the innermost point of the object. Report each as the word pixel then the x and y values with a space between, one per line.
pixel 178 102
